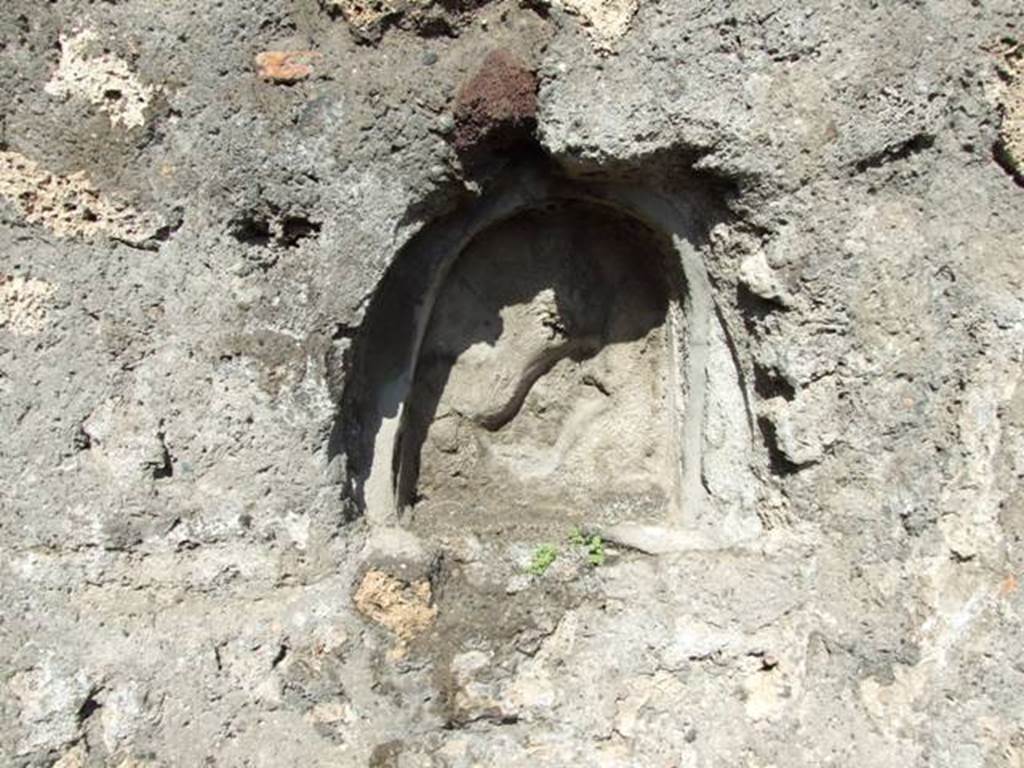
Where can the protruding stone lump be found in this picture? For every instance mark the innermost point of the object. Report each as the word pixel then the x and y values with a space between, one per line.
pixel 498 106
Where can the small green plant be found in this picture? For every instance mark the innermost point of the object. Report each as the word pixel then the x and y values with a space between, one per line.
pixel 593 543
pixel 543 557
pixel 595 550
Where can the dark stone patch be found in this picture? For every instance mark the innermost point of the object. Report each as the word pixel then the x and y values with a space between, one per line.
pixel 497 108
pixel 386 755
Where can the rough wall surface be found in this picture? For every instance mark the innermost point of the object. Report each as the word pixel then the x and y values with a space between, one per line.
pixel 190 237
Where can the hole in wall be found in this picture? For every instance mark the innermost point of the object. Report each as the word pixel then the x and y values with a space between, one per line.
pixel 294 229
pixel 251 231
pixel 769 383
pixel 90 706
pixel 273 230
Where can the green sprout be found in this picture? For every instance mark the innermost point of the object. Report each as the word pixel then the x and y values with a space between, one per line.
pixel 593 543
pixel 543 557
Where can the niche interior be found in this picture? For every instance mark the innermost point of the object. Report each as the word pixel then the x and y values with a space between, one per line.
pixel 539 360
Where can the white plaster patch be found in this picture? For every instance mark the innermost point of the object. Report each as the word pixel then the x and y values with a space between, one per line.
pixel 762 280
pixel 892 705
pixel 24 303
pixel 297 526
pixel 87 71
pixel 958 599
pixel 49 699
pixel 124 711
pixel 126 441
pixel 74 758
pixel 801 426
pixel 605 20
pixel 766 694
pixel 70 206
pixel 971 504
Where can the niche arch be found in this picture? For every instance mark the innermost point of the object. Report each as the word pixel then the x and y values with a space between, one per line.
pixel 375 431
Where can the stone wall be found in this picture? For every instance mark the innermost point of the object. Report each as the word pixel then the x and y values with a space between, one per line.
pixel 224 225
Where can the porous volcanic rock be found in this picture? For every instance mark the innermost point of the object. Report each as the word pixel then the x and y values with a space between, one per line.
pixel 498 106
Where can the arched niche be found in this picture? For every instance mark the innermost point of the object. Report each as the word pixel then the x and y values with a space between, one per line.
pixel 539 289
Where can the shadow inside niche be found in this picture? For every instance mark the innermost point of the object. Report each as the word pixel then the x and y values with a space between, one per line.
pixel 415 398
pixel 541 389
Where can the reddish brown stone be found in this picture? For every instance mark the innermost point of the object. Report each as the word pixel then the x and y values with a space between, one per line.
pixel 498 106
pixel 285 66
